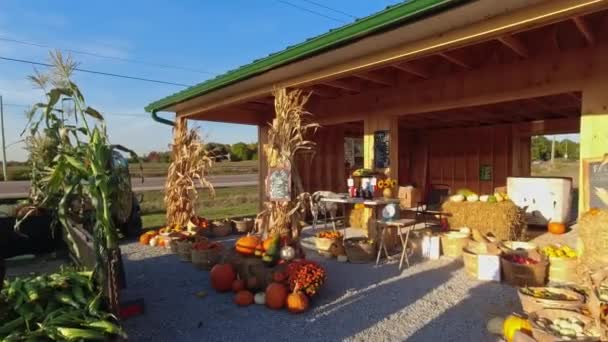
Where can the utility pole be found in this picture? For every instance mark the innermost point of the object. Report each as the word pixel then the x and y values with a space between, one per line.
pixel 3 139
pixel 553 150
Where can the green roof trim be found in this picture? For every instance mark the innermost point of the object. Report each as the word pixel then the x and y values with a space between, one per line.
pixel 383 20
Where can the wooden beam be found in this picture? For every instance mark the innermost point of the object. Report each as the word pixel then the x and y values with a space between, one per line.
pixel 341 84
pixel 234 115
pixel 515 44
pixel 537 76
pixel 376 78
pixel 322 91
pixel 454 60
pixel 585 30
pixel 412 69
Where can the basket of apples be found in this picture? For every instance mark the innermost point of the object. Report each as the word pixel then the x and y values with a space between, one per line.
pixel 529 269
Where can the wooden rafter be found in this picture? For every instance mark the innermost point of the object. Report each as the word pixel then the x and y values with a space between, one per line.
pixel 376 78
pixel 547 107
pixel 455 60
pixel 322 92
pixel 585 30
pixel 264 100
pixel 341 84
pixel 515 44
pixel 412 69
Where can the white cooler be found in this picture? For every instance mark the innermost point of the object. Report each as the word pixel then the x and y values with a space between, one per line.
pixel 546 198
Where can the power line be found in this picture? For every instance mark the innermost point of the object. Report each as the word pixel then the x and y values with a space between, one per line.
pixel 107 114
pixel 98 72
pixel 88 53
pixel 311 11
pixel 330 8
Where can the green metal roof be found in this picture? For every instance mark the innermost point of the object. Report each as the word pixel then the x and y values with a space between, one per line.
pixel 390 17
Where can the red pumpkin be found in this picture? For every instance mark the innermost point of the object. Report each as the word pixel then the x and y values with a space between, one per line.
pixel 222 276
pixel 243 298
pixel 556 228
pixel 279 277
pixel 297 302
pixel 238 285
pixel 275 296
pixel 247 244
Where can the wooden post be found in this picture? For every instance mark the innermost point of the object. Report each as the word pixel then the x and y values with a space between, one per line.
pixel 262 164
pixel 594 131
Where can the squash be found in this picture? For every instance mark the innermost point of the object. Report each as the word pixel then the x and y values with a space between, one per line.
pixel 556 227
pixel 472 198
pixel 514 323
pixel 484 198
pixel 260 298
pixel 222 276
pixel 153 241
pixel 243 298
pixel 276 294
pixel 144 238
pixel 238 285
pixel 297 302
pixel 247 244
pixel 288 253
pixel 457 198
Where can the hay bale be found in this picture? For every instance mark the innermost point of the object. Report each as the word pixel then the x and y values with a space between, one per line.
pixel 503 219
pixel 593 235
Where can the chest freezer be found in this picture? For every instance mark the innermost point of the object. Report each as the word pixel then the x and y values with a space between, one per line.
pixel 544 198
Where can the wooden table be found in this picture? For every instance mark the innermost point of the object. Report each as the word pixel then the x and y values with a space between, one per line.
pixel 377 203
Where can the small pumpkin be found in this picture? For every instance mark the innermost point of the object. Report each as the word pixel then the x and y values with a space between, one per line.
pixel 161 242
pixel 297 302
pixel 222 276
pixel 276 294
pixel 243 298
pixel 238 285
pixel 514 323
pixel 247 244
pixel 556 228
pixel 288 253
pixel 153 241
pixel 259 250
pixel 144 238
pixel 260 298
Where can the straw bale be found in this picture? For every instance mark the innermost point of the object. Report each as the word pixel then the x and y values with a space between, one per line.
pixel 593 235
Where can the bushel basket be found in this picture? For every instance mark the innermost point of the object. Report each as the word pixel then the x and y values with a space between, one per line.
pixel 452 243
pixel 525 275
pixel 221 228
pixel 359 250
pixel 206 259
pixel 243 225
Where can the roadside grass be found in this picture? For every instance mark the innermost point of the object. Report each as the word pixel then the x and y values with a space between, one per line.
pixel 560 168
pixel 228 202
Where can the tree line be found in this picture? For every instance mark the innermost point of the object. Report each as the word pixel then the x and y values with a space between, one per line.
pixel 564 149
pixel 222 152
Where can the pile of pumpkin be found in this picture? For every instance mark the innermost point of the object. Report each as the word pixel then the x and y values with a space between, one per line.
pixel 269 250
pixel 162 237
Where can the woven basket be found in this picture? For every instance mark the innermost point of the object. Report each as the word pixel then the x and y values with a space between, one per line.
pixel 542 335
pixel 221 228
pixel 563 270
pixel 243 226
pixel 472 251
pixel 206 259
pixel 525 275
pixel 518 247
pixel 531 304
pixel 184 250
pixel 359 251
pixel 452 243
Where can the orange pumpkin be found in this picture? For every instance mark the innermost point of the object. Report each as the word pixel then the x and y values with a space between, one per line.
pixel 275 296
pixel 556 228
pixel 297 302
pixel 161 243
pixel 247 244
pixel 144 238
pixel 267 243
pixel 222 276
pixel 243 298
pixel 238 285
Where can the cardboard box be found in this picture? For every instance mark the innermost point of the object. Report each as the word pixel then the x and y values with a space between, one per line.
pixel 408 197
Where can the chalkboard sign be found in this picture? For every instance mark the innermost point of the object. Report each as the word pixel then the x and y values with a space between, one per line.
pixel 485 172
pixel 278 184
pixel 595 182
pixel 381 149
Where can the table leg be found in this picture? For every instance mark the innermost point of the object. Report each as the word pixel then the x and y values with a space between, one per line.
pixel 381 228
pixel 404 242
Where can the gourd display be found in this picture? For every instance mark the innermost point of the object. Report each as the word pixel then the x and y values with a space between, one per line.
pixel 222 276
pixel 276 294
pixel 556 228
pixel 243 298
pixel 247 245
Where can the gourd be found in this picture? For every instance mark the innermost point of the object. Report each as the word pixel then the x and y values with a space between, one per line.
pixel 247 244
pixel 472 198
pixel 288 253
pixel 276 294
pixel 144 238
pixel 457 198
pixel 492 199
pixel 512 324
pixel 297 302
pixel 154 241
pixel 260 298
pixel 222 276
pixel 243 298
pixel 272 252
pixel 556 227
pixel 484 198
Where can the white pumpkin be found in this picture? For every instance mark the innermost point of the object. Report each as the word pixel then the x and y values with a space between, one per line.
pixel 288 253
pixel 472 198
pixel 259 298
pixel 154 241
pixel 457 198
pixel 483 198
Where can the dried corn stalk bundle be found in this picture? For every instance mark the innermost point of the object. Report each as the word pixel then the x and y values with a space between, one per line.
pixel 190 166
pixel 286 138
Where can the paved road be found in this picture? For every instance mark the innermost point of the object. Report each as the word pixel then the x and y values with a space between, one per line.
pixel 19 189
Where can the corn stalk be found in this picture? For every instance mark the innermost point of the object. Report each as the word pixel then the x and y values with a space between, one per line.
pixel 190 166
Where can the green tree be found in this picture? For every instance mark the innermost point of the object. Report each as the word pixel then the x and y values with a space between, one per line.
pixel 540 148
pixel 240 151
pixel 217 149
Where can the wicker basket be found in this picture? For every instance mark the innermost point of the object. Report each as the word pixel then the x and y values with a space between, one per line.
pixel 244 225
pixel 563 270
pixel 472 251
pixel 452 243
pixel 359 251
pixel 542 335
pixel 518 247
pixel 531 304
pixel 184 250
pixel 206 259
pixel 525 275
pixel 221 228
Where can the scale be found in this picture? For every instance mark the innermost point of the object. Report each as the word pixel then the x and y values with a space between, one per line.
pixel 389 212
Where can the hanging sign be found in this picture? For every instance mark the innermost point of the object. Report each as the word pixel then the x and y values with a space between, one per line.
pixel 381 149
pixel 278 183
pixel 595 182
pixel 485 172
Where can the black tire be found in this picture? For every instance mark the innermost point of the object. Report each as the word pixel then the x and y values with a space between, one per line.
pixel 133 227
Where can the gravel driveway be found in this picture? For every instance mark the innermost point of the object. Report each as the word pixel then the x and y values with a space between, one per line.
pixel 429 301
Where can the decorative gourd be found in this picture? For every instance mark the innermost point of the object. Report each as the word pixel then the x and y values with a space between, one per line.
pixel 243 298
pixel 288 253
pixel 144 238
pixel 483 198
pixel 238 285
pixel 275 295
pixel 153 241
pixel 297 302
pixel 492 199
pixel 260 298
pixel 457 198
pixel 472 198
pixel 272 253
pixel 512 324
pixel 556 227
pixel 247 244
pixel 266 243
pixel 222 276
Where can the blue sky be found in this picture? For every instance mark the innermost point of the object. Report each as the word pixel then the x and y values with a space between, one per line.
pixel 212 36
pixel 209 36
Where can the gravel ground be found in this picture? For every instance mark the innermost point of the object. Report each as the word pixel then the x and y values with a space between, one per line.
pixel 429 301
